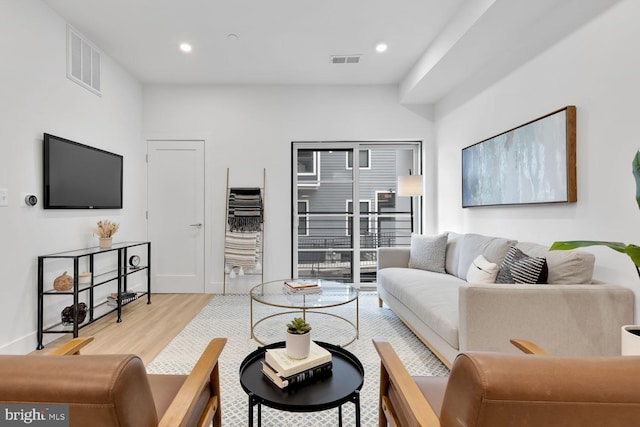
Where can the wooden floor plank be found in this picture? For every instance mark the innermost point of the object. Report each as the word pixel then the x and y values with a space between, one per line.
pixel 145 328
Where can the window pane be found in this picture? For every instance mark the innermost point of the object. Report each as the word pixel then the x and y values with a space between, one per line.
pixel 364 159
pixel 306 161
pixel 303 225
pixel 349 217
pixel 364 218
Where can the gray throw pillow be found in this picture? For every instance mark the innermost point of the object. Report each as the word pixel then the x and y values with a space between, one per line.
pixel 452 258
pixel 565 267
pixel 428 252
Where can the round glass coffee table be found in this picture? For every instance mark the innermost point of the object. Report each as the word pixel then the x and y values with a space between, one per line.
pixel 332 294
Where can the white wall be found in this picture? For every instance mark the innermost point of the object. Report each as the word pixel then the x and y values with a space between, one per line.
pixel 596 68
pixel 249 128
pixel 36 97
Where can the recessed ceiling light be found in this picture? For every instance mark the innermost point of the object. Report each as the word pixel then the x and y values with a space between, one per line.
pixel 185 47
pixel 381 47
pixel 232 36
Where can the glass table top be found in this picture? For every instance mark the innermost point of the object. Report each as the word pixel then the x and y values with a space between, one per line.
pixel 331 294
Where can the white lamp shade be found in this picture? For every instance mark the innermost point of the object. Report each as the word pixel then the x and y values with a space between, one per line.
pixel 410 185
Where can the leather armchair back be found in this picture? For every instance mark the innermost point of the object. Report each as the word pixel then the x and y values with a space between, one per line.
pixel 101 390
pixel 495 390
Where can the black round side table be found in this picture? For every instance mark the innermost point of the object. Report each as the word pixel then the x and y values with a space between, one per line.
pixel 342 386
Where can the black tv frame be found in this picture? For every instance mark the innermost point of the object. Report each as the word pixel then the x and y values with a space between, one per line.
pixel 46 175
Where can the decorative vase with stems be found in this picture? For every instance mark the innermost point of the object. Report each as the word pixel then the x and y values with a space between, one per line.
pixel 298 338
pixel 105 230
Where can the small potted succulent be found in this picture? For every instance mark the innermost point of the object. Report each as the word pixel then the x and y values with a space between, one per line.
pixel 298 338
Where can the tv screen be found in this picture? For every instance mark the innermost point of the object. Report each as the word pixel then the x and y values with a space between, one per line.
pixel 77 176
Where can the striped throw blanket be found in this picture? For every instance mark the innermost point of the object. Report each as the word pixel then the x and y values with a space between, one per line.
pixel 241 249
pixel 245 209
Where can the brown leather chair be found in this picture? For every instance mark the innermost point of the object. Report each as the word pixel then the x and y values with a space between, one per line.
pixel 114 390
pixel 496 389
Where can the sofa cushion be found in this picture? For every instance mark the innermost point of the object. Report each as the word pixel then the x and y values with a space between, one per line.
pixel 433 297
pixel 428 252
pixel 482 271
pixel 565 267
pixel 494 250
pixel 454 243
pixel 519 267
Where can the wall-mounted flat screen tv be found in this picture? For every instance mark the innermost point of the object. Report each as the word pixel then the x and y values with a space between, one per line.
pixel 77 176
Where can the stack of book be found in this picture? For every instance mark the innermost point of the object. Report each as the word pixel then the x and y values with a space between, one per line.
pixel 125 297
pixel 298 287
pixel 286 372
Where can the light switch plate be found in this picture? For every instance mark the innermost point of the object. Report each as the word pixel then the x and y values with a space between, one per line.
pixel 4 197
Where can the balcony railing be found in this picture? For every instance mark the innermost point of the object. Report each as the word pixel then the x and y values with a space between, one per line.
pixel 332 257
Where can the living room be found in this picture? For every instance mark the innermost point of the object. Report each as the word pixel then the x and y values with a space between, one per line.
pixel 591 68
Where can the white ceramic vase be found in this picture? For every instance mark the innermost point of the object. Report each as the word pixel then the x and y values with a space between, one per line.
pixel 630 340
pixel 297 345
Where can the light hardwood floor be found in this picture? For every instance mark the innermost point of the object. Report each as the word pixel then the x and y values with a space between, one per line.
pixel 145 328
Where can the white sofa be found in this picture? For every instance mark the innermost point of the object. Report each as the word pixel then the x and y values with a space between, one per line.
pixel 572 315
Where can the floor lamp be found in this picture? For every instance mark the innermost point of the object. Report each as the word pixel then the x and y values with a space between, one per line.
pixel 410 186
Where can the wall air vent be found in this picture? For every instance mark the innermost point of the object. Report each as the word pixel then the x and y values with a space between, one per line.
pixel 346 59
pixel 83 61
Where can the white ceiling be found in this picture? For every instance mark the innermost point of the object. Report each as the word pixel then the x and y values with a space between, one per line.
pixel 436 47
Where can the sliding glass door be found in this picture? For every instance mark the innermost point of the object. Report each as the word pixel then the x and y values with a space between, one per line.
pixel 345 206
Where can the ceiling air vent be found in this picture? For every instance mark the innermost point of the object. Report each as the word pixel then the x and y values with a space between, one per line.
pixel 346 59
pixel 83 61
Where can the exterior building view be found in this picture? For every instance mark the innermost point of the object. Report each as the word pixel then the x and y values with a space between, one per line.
pixel 326 236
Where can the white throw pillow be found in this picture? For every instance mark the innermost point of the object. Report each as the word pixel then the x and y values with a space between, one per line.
pixel 482 271
pixel 493 249
pixel 428 252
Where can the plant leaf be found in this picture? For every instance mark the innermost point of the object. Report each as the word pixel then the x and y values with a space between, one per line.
pixel 636 175
pixel 634 253
pixel 573 244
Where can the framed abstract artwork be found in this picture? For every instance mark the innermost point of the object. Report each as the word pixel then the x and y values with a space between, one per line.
pixel 532 163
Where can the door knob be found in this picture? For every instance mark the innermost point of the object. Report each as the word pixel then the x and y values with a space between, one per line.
pixel 196 225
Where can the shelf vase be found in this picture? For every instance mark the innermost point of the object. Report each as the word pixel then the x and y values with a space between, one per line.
pixel 297 345
pixel 105 243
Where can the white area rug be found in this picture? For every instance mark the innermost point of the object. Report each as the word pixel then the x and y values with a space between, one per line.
pixel 228 316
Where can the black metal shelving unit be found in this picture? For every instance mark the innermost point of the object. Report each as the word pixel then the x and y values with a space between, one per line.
pixel 94 311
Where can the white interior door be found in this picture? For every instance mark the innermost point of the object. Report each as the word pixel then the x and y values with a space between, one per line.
pixel 175 183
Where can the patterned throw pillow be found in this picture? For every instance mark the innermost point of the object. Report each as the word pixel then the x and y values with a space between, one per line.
pixel 519 267
pixel 428 252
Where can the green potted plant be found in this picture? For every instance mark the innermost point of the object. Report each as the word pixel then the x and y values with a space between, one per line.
pixel 298 338
pixel 631 250
pixel 630 339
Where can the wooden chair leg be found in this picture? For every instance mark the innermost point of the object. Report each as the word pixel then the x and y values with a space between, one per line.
pixel 384 389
